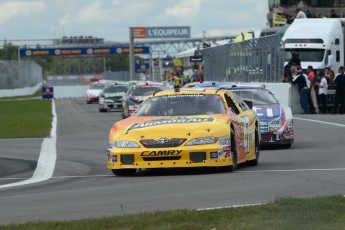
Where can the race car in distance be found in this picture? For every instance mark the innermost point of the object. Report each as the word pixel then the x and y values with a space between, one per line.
pixel 111 97
pixel 185 128
pixel 136 95
pixel 93 92
pixel 276 120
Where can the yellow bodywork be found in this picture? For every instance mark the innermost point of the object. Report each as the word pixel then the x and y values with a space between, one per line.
pixel 139 129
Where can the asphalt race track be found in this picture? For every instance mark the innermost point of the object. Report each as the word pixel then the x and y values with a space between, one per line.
pixel 82 187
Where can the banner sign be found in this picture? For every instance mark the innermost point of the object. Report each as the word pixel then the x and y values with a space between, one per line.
pixel 161 32
pixel 82 51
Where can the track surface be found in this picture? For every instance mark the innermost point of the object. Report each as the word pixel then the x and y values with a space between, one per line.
pixel 82 186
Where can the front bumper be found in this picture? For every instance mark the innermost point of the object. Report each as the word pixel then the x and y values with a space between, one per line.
pixel 276 139
pixel 168 158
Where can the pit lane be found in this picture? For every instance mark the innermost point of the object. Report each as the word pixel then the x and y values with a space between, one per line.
pixel 82 187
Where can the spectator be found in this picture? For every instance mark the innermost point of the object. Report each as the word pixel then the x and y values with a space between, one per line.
pixel 339 82
pixel 331 79
pixel 300 14
pixel 323 88
pixel 177 81
pixel 294 61
pixel 303 90
pixel 333 14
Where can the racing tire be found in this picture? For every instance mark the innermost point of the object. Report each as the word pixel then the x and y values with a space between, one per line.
pixel 103 110
pixel 255 162
pixel 234 165
pixel 124 172
pixel 285 146
pixel 88 102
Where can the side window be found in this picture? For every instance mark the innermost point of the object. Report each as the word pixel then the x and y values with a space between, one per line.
pixel 337 41
pixel 240 102
pixel 338 56
pixel 231 104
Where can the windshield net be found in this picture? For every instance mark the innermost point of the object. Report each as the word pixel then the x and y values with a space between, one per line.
pixel 182 105
pixel 257 96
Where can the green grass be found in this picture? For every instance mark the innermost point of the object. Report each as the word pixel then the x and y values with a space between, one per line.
pixel 285 213
pixel 25 118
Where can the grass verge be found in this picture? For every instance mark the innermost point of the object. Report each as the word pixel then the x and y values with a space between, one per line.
pixel 25 118
pixel 285 213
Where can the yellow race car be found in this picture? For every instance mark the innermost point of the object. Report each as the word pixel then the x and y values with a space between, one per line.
pixel 187 127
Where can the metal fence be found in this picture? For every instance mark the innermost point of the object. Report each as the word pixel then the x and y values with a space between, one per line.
pixel 14 74
pixel 255 60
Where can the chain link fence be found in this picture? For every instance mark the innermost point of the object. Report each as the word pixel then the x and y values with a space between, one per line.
pixel 255 60
pixel 14 74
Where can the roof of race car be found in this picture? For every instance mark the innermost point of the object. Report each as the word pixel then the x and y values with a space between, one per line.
pixel 188 91
pixel 242 86
pixel 210 84
pixel 149 83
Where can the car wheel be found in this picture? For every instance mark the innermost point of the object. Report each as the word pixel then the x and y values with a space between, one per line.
pixel 102 110
pixel 255 162
pixel 285 146
pixel 124 172
pixel 88 102
pixel 233 167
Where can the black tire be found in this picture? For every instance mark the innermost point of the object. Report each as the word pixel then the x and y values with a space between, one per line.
pixel 234 165
pixel 124 172
pixel 88 102
pixel 103 110
pixel 285 146
pixel 255 162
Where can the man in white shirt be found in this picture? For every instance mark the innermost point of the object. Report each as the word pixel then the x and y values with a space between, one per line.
pixel 300 14
pixel 323 89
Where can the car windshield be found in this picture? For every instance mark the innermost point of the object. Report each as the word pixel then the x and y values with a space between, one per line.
pixel 182 105
pixel 97 86
pixel 146 90
pixel 116 89
pixel 257 96
pixel 306 55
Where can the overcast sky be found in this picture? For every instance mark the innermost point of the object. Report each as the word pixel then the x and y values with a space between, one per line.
pixel 111 19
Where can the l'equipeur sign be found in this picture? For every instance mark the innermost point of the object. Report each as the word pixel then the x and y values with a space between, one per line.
pixel 161 32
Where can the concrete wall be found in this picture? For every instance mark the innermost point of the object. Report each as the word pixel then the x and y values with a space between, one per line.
pixel 20 91
pixel 70 91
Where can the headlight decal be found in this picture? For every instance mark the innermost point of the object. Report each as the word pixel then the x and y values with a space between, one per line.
pixel 202 141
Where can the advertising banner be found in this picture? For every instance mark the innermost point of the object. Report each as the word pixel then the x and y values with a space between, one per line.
pixel 83 51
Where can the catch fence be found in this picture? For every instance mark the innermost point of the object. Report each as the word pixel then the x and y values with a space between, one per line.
pixel 14 74
pixel 255 60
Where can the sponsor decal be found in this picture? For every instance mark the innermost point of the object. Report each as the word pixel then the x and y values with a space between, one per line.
pixel 161 153
pixel 224 141
pixel 114 158
pixel 213 155
pixel 221 154
pixel 173 120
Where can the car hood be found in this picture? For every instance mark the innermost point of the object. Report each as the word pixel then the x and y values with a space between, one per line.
pixel 267 113
pixel 135 128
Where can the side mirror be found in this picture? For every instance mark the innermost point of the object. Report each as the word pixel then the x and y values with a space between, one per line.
pixel 330 60
pixel 249 103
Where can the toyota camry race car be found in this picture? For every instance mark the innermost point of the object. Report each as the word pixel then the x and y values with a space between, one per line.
pixel 185 128
pixel 276 120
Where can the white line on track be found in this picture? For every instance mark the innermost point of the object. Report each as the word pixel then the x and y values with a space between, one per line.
pixel 230 206
pixel 323 122
pixel 47 158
